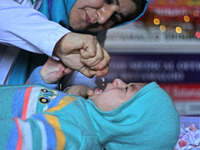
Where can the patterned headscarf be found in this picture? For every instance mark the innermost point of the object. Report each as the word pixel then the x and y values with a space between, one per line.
pixel 57 10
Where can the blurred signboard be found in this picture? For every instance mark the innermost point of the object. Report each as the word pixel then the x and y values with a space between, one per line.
pixel 175 2
pixel 186 97
pixel 162 68
pixel 174 9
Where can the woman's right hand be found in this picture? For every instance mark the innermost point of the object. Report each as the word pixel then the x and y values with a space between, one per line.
pixel 82 52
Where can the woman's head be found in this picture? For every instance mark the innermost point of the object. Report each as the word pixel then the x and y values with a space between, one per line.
pixel 115 94
pixel 97 15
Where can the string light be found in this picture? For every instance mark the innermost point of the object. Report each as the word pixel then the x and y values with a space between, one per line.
pixel 156 21
pixel 178 29
pixel 197 34
pixel 186 18
pixel 196 13
pixel 162 28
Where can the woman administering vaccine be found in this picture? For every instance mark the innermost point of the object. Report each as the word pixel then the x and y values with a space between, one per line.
pixel 28 29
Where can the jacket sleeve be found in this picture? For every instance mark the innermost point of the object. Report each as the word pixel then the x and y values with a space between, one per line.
pixel 41 131
pixel 35 78
pixel 26 28
pixel 52 129
pixel 24 124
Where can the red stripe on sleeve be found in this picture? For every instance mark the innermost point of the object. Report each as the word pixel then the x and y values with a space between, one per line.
pixel 26 100
pixel 19 141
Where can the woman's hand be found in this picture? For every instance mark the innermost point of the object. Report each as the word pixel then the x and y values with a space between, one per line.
pixel 82 52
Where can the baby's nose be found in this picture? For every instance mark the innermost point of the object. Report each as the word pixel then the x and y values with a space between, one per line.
pixel 118 82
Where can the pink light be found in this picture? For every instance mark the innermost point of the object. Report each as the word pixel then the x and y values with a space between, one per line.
pixel 197 34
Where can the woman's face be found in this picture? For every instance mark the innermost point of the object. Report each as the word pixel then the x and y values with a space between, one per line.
pixel 115 94
pixel 97 15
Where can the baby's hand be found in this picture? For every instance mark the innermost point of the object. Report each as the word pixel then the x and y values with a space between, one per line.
pixel 52 71
pixel 80 90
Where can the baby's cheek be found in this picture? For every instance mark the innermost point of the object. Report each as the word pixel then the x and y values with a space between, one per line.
pixel 110 104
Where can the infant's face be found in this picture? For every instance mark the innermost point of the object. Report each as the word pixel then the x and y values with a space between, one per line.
pixel 115 94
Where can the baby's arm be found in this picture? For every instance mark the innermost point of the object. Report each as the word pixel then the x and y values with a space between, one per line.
pixel 41 131
pixel 52 71
pixel 49 74
pixel 56 128
pixel 26 124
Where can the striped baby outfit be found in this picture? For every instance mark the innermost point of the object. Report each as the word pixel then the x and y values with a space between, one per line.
pixel 35 117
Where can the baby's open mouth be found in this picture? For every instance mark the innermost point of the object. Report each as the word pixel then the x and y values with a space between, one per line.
pixel 98 91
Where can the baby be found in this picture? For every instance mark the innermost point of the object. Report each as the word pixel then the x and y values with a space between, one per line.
pixel 133 116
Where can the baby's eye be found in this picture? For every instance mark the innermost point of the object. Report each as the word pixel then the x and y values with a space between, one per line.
pixel 126 88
